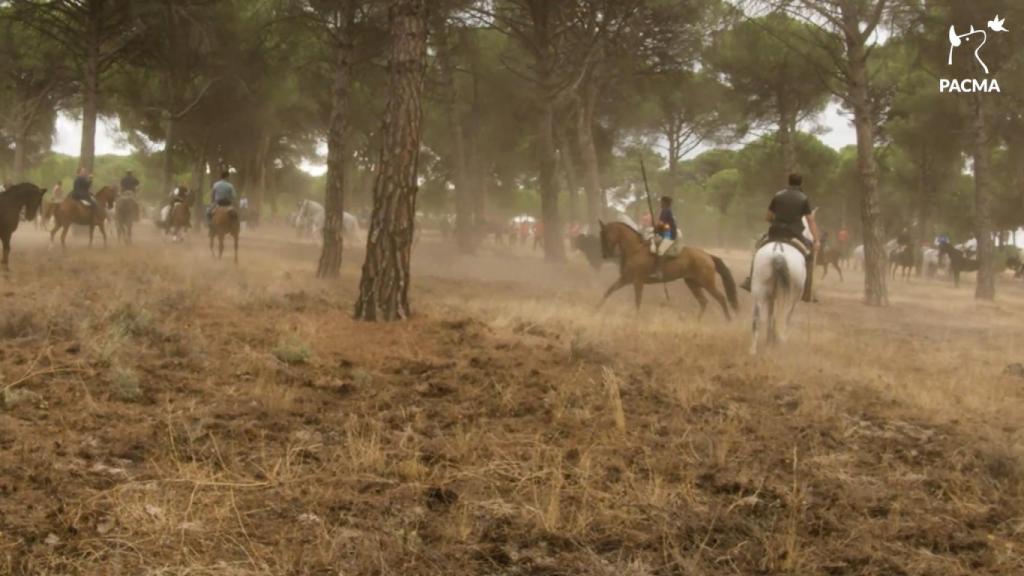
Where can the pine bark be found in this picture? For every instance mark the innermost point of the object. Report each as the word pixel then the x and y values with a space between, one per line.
pixel 90 108
pixel 457 157
pixel 982 152
pixel 875 260
pixel 334 195
pixel 384 287
pixel 588 153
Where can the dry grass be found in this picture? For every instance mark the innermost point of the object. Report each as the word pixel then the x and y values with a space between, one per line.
pixel 169 415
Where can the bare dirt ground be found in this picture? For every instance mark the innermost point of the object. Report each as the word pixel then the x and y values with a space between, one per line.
pixel 167 414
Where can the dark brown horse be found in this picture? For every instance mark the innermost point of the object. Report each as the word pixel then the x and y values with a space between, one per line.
pixel 19 197
pixel 224 221
pixel 126 214
pixel 902 258
pixel 957 262
pixel 830 257
pixel 71 211
pixel 693 266
pixel 179 219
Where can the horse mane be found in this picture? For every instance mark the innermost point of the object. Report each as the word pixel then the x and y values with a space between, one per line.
pixel 22 188
pixel 627 227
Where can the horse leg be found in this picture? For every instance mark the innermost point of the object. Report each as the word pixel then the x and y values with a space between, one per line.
pixel 839 270
pixel 103 232
pixel 638 292
pixel 615 287
pixel 212 251
pixel 235 236
pixel 63 235
pixel 92 230
pixel 698 293
pixel 720 298
pixel 754 328
pixel 220 248
pixel 53 233
pixel 773 324
pixel 6 239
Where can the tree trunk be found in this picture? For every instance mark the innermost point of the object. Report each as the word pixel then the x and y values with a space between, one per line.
pixel 588 151
pixel 554 250
pixel 568 164
pixel 90 108
pixel 334 196
pixel 787 127
pixel 384 287
pixel 924 217
pixel 986 286
pixel 474 157
pixel 875 260
pixel 168 159
pixel 457 160
pixel 198 183
pixel 18 166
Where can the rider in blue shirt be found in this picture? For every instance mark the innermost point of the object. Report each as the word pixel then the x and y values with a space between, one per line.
pixel 223 193
pixel 665 234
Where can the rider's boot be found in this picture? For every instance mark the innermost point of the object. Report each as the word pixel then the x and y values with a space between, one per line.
pixel 658 274
pixel 745 285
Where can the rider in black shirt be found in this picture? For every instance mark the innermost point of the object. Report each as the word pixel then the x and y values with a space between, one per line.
pixel 786 214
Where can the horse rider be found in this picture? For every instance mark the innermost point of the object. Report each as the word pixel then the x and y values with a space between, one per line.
pixel 80 189
pixel 57 192
pixel 665 234
pixel 129 184
pixel 786 215
pixel 179 195
pixel 223 194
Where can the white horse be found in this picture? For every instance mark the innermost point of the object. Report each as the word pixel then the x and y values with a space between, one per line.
pixel 311 216
pixel 777 284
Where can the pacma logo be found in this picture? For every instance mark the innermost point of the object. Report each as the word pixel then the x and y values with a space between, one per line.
pixel 978 38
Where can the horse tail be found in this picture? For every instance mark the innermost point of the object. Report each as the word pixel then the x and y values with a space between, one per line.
pixel 780 272
pixel 728 282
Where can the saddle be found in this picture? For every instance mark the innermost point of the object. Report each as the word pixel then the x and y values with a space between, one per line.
pixel 795 243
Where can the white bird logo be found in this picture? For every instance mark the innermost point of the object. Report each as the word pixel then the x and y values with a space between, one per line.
pixel 996 24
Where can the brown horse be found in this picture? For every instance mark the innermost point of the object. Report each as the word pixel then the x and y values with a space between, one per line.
pixel 179 219
pixel 126 214
pixel 695 267
pixel 829 257
pixel 71 211
pixel 223 221
pixel 19 197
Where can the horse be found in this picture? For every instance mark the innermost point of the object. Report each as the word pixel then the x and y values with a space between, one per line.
pixel 902 258
pixel 695 267
pixel 830 257
pixel 957 262
pixel 777 284
pixel 223 221
pixel 590 246
pixel 179 217
pixel 931 261
pixel 126 214
pixel 71 211
pixel 20 197
pixel 310 218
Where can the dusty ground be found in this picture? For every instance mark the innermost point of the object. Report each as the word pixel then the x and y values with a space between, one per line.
pixel 165 414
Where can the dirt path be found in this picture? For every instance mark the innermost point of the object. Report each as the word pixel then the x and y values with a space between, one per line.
pixel 163 413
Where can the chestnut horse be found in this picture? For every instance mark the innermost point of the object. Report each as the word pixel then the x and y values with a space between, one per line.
pixel 693 266
pixel 223 221
pixel 71 211
pixel 19 197
pixel 179 219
